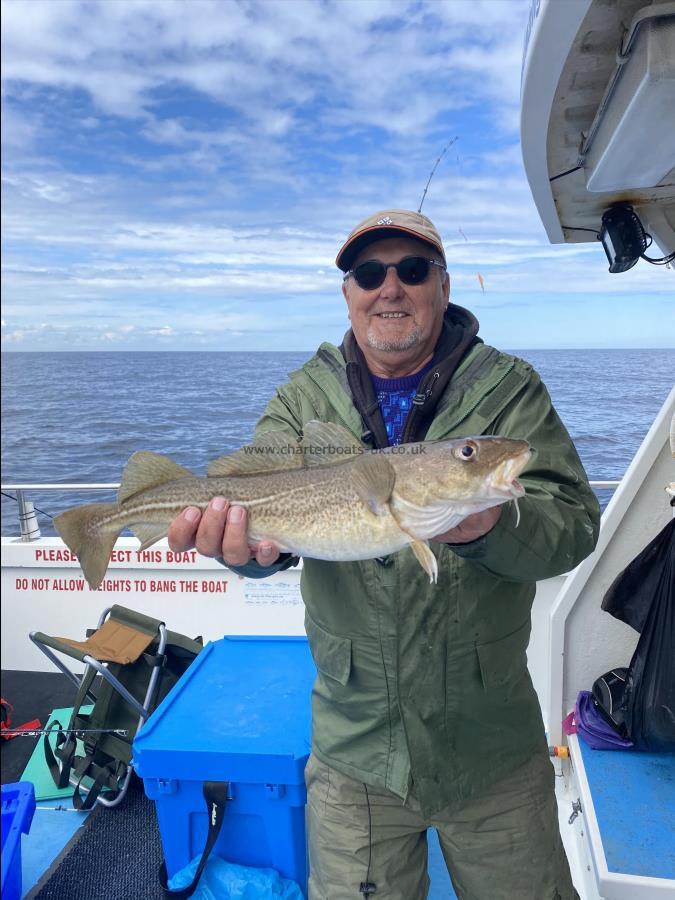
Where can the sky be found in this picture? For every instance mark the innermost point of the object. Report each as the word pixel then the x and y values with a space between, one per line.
pixel 179 174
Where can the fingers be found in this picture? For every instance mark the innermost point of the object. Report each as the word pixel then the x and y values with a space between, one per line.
pixel 211 529
pixel 234 544
pixel 221 530
pixel 267 553
pixel 235 548
pixel 183 530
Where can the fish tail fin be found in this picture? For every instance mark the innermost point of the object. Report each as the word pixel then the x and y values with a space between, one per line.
pixel 90 537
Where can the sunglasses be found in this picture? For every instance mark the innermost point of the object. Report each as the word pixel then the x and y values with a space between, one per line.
pixel 370 274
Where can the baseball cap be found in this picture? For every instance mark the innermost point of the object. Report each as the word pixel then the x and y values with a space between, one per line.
pixel 384 224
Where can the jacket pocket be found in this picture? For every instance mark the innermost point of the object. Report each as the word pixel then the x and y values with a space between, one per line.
pixel 504 661
pixel 332 654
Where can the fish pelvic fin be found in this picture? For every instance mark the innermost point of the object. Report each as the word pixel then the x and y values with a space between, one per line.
pixel 86 534
pixel 425 557
pixel 146 470
pixel 149 534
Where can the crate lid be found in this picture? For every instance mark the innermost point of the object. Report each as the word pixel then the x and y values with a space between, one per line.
pixel 242 711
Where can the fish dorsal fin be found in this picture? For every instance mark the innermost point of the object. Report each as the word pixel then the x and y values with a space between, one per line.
pixel 271 451
pixel 374 477
pixel 325 444
pixel 145 470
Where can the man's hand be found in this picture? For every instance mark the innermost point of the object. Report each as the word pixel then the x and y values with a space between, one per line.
pixel 471 528
pixel 219 531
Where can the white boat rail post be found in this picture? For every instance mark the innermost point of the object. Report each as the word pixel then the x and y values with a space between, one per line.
pixel 28 523
pixel 30 530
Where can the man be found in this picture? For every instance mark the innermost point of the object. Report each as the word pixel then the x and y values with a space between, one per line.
pixel 423 709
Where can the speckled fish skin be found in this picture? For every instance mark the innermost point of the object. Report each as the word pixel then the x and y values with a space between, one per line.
pixel 372 504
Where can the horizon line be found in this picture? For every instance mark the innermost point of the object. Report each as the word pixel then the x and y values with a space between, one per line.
pixel 313 350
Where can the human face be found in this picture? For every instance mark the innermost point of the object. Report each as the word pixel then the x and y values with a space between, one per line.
pixel 397 325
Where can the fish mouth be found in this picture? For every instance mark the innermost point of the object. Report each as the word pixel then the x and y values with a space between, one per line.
pixel 506 480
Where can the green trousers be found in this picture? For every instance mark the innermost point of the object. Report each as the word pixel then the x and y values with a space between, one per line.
pixel 504 845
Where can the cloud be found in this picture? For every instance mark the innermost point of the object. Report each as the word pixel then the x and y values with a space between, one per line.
pixel 199 164
pixel 269 57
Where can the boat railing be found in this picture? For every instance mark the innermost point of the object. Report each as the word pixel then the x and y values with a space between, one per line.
pixel 30 530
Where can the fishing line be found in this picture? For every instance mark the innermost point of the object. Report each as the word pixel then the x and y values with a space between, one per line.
pixel 36 508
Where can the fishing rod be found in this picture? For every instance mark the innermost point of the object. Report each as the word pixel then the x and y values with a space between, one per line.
pixel 445 149
pixel 35 732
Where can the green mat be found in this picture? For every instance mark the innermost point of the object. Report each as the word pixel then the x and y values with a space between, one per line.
pixel 36 770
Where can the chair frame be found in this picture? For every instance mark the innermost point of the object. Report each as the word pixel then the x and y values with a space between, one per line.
pixel 143 710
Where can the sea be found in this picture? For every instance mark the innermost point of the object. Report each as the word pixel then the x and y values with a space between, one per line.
pixel 74 418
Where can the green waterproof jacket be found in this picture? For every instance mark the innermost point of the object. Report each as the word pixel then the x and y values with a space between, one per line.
pixel 425 686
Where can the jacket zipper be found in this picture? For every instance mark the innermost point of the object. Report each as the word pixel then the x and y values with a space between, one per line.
pixel 421 399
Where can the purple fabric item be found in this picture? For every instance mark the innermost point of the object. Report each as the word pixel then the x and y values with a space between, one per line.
pixel 595 730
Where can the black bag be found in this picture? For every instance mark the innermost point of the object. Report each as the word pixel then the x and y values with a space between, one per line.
pixel 643 596
pixel 610 697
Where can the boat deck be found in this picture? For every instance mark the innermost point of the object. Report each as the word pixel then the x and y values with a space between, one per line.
pixel 55 824
pixel 627 798
pixel 53 828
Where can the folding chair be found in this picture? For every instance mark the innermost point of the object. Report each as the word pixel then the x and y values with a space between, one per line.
pixel 129 651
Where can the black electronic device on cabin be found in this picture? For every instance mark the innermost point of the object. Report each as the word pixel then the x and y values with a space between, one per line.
pixel 623 237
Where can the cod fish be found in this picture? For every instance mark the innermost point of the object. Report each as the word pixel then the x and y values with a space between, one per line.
pixel 323 496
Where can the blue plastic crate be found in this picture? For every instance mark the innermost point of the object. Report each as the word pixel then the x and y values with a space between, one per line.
pixel 241 714
pixel 18 806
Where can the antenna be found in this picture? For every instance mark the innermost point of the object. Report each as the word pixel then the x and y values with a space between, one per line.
pixel 445 149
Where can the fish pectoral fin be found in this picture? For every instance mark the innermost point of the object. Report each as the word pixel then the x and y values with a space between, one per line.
pixel 146 470
pixel 425 557
pixel 373 478
pixel 325 444
pixel 271 451
pixel 425 522
pixel 149 534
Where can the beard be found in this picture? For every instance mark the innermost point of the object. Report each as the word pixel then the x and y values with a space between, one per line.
pixel 394 346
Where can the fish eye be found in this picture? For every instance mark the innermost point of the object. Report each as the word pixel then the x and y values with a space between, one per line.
pixel 466 451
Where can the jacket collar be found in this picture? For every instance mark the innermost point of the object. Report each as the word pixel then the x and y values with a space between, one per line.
pixel 459 333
